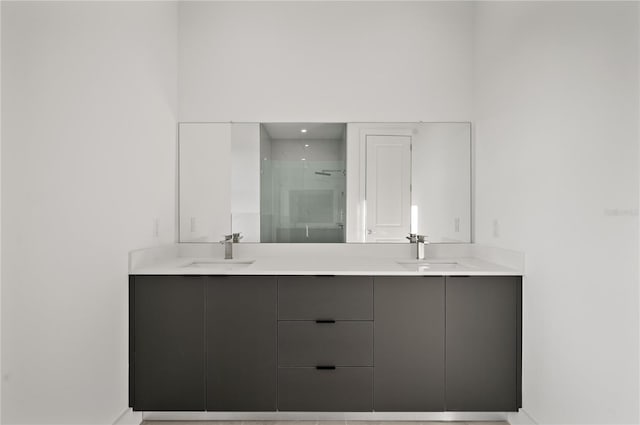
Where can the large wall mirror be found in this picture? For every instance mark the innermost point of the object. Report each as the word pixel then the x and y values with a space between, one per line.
pixel 325 182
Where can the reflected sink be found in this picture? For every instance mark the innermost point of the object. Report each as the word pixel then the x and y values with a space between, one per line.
pixel 220 265
pixel 421 265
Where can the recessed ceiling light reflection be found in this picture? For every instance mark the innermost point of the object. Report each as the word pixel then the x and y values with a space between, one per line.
pixel 303 159
pixel 306 146
pixel 304 130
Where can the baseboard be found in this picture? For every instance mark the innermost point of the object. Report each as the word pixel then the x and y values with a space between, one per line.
pixel 325 416
pixel 521 417
pixel 129 417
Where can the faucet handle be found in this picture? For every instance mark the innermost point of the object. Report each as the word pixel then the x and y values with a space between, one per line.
pixel 412 238
pixel 227 238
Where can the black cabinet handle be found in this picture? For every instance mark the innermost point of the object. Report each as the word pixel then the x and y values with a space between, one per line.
pixel 325 321
pixel 326 367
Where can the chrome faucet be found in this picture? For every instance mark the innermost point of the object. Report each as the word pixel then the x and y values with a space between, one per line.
pixel 228 242
pixel 420 241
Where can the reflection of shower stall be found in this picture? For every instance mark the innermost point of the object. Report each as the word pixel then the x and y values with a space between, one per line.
pixel 303 183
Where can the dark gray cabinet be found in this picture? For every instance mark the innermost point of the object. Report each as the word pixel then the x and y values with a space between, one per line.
pixel 241 321
pixel 483 345
pixel 409 344
pixel 322 343
pixel 167 362
pixel 203 343
pixel 325 343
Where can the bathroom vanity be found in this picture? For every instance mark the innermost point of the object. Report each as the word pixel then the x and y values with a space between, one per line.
pixel 323 337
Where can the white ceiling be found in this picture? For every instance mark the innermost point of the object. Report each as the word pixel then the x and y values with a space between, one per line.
pixel 315 131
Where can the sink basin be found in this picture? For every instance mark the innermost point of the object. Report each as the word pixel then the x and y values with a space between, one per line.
pixel 421 265
pixel 220 265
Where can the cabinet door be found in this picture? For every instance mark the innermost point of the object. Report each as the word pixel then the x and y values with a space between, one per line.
pixel 409 344
pixel 241 323
pixel 167 343
pixel 483 343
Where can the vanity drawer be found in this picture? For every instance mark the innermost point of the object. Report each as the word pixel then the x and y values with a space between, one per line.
pixel 343 389
pixel 325 297
pixel 338 343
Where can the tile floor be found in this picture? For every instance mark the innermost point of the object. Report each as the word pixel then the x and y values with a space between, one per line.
pixel 320 423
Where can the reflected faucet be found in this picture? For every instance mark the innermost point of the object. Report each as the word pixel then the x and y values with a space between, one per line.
pixel 228 247
pixel 420 241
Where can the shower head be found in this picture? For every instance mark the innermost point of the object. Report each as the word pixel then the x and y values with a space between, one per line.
pixel 344 172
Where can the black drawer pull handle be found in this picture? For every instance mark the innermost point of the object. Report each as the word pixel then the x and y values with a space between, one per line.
pixel 325 321
pixel 326 367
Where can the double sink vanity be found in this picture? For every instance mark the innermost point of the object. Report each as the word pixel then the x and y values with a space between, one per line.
pixel 325 328
pixel 297 322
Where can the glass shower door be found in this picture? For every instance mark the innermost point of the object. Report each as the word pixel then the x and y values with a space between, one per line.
pixel 303 201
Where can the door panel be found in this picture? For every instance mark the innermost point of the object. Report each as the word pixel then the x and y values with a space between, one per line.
pixel 409 344
pixel 483 343
pixel 168 343
pixel 388 188
pixel 241 343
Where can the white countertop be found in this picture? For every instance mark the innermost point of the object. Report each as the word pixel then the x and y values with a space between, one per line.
pixel 324 265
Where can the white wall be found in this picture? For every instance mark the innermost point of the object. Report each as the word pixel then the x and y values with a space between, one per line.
pixel 325 61
pixel 556 127
pixel 205 181
pixel 219 181
pixel 88 163
pixel 441 181
pixel 245 180
pixel 88 152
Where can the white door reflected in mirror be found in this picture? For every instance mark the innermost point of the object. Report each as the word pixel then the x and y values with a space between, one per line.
pixel 388 188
